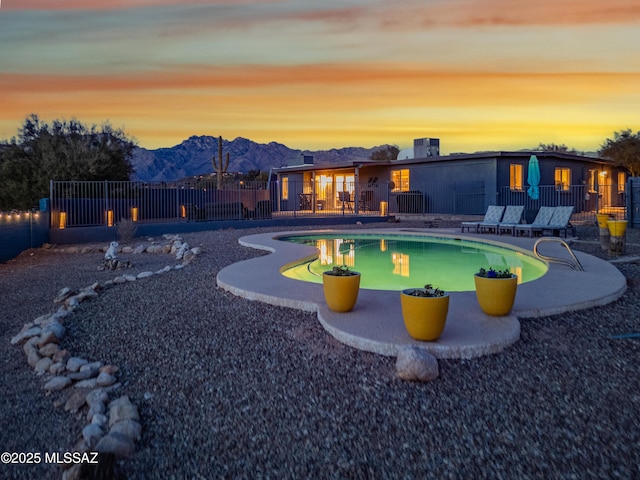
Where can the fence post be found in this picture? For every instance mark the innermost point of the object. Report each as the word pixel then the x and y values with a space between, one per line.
pixel 50 202
pixel 106 203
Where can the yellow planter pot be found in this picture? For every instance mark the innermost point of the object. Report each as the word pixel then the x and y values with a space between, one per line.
pixel 603 218
pixel 617 227
pixel 496 295
pixel 424 317
pixel 341 291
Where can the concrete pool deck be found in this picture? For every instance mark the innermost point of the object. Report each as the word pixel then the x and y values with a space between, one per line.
pixel 376 325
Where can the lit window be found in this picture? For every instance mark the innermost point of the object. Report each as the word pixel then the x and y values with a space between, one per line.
pixel 400 180
pixel 285 188
pixel 563 178
pixel 515 176
pixel 621 182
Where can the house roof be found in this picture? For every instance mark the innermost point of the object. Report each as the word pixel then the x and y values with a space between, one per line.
pixel 524 154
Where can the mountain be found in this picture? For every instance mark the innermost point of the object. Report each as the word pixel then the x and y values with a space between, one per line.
pixel 193 157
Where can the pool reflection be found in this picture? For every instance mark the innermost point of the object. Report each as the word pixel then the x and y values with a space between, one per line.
pixel 395 263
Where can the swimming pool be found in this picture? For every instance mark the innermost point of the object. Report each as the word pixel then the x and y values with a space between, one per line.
pixel 396 262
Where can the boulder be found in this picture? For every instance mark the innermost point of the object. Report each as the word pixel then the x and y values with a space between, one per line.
pixel 63 294
pixel 105 379
pixel 130 428
pixel 43 365
pixel 76 401
pixel 116 443
pixel 26 335
pixel 416 364
pixel 92 434
pixel 74 363
pixel 122 409
pixel 57 383
pixel 48 350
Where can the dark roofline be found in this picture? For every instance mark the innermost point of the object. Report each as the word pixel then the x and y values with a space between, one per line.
pixel 330 165
pixel 444 158
pixel 498 154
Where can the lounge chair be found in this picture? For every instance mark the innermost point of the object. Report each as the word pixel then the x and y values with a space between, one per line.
pixel 512 217
pixel 492 217
pixel 560 221
pixel 554 219
pixel 543 217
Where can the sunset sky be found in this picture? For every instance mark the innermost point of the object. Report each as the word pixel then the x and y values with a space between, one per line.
pixel 478 74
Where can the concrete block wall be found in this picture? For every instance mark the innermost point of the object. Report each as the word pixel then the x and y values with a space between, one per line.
pixel 20 231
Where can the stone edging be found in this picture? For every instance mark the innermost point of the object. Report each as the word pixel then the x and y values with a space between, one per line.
pixel 113 426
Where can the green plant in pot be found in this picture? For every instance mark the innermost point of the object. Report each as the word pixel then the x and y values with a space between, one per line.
pixel 496 291
pixel 424 311
pixel 341 287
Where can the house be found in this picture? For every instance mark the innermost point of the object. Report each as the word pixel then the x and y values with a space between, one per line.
pixel 454 184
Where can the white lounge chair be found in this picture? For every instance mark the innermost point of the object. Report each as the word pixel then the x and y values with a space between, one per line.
pixel 554 219
pixel 512 217
pixel 560 222
pixel 492 217
pixel 542 220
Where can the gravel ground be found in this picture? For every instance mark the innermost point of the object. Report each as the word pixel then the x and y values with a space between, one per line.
pixel 229 388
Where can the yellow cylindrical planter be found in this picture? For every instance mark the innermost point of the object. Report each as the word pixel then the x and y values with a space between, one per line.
pixel 603 218
pixel 424 317
pixel 341 291
pixel 617 228
pixel 496 295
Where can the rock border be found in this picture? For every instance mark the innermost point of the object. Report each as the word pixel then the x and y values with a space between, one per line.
pixel 113 426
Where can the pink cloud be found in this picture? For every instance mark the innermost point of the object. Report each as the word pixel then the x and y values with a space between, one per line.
pixel 110 4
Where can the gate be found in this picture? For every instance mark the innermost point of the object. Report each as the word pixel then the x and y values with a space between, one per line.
pixel 633 202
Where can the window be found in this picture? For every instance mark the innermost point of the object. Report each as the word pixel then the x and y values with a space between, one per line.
pixel 515 176
pixel 563 179
pixel 400 180
pixel 285 188
pixel 621 182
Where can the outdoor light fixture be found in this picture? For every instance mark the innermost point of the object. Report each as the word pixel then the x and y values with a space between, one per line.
pixel 63 220
pixel 109 218
pixel 134 214
pixel 383 209
pixel 183 211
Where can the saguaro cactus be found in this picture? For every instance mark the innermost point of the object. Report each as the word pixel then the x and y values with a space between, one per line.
pixel 220 166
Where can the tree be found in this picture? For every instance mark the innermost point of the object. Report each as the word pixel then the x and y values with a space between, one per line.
pixel 624 150
pixel 64 150
pixel 552 147
pixel 390 152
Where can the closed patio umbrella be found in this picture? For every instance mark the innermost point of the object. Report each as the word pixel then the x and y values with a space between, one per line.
pixel 533 178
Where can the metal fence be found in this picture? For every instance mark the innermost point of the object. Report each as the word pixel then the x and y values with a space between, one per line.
pixel 106 203
pixel 77 203
pixel 586 201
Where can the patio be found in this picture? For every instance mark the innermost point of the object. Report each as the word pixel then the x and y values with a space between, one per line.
pixel 376 325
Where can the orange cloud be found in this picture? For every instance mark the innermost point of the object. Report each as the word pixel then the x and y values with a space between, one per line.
pixel 332 105
pixel 406 16
pixel 551 12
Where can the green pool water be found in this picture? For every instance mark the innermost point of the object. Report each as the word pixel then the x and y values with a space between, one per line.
pixel 396 262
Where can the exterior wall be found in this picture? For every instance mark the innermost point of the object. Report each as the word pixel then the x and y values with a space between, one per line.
pixel 453 172
pixel 18 233
pixel 108 234
pixel 582 195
